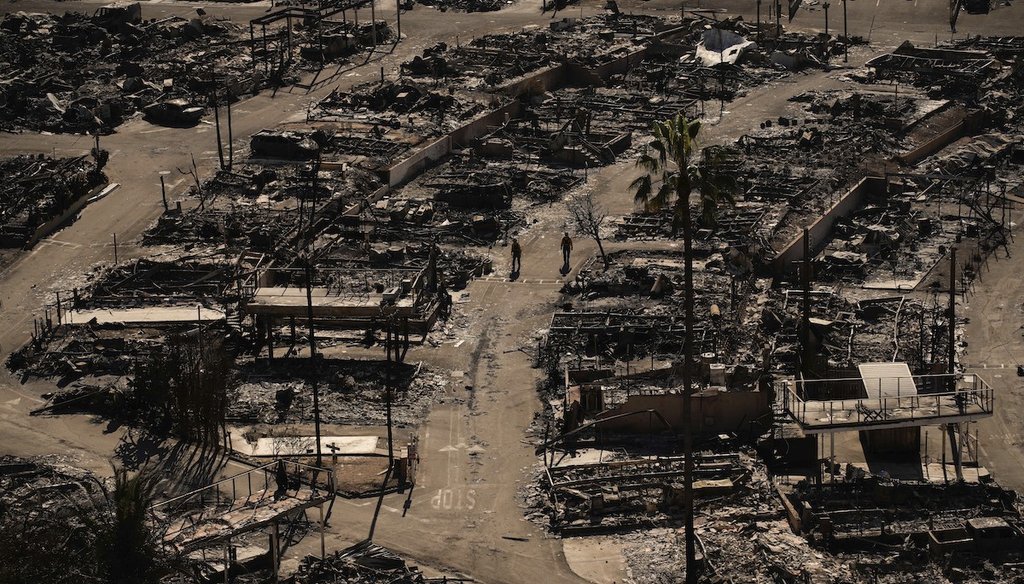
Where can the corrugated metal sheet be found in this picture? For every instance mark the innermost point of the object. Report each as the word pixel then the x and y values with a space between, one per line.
pixel 887 380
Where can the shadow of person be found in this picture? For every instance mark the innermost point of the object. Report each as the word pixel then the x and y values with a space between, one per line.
pixel 513 276
pixel 564 270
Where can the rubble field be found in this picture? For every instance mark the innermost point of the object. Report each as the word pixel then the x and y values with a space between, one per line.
pixel 40 191
pixel 318 276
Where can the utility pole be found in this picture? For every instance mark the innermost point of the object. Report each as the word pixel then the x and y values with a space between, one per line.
pixel 807 356
pixel 688 357
pixel 309 317
pixel 115 249
pixel 216 119
pixel 951 354
pixel 778 19
pixel 373 22
pixel 758 20
pixel 231 145
pixel 312 358
pixel 391 352
pixel 826 50
pixel 163 191
pixel 846 37
pixel 392 356
pixel 953 429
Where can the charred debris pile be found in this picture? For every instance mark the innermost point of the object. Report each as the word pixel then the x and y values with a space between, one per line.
pixel 81 73
pixel 38 192
pixel 393 104
pixel 350 393
pixel 837 256
pixel 354 207
pixel 365 563
pixel 461 5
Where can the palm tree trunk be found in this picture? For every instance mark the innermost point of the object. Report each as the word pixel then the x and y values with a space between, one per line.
pixel 691 551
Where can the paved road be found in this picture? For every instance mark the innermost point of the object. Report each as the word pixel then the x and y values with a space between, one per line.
pixel 995 347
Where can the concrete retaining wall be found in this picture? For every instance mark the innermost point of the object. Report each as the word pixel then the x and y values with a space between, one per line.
pixel 372 198
pixel 419 161
pixel 423 158
pixel 962 128
pixel 820 230
pixel 621 64
pixel 54 223
pixel 545 79
pixel 558 76
pixel 934 145
pixel 483 124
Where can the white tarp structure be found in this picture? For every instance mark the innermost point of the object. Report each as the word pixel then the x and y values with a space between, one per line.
pixel 882 380
pixel 722 46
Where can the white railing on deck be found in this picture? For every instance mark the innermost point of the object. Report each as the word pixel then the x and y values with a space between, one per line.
pixel 970 395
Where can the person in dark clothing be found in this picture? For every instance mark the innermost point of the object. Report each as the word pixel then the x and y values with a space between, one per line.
pixel 566 248
pixel 444 300
pixel 517 255
pixel 281 478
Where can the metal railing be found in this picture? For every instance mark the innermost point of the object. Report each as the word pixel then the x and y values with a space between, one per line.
pixel 935 396
pixel 251 489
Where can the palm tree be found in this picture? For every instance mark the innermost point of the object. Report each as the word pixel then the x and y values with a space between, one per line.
pixel 126 546
pixel 672 172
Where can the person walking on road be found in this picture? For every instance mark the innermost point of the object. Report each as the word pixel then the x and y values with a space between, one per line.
pixel 566 248
pixel 517 255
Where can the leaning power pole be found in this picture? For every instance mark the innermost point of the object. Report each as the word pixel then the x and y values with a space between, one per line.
pixel 309 316
pixel 392 355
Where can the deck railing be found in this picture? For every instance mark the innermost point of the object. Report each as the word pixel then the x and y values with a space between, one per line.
pixel 933 396
pixel 252 488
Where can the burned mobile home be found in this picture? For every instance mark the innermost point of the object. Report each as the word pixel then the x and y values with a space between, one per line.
pixel 90 73
pixel 80 73
pixel 42 193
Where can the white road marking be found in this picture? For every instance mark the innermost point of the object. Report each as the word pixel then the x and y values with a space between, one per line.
pixel 52 241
